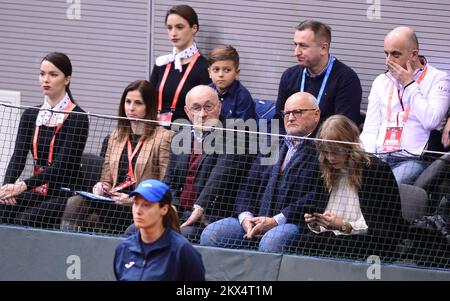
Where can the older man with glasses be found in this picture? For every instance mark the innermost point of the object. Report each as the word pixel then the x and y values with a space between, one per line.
pixel 271 201
pixel 203 174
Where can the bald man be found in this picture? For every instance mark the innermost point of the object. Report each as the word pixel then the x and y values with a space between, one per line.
pixel 406 103
pixel 270 202
pixel 204 181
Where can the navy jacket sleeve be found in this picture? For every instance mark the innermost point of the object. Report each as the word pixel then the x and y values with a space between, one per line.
pixel 191 264
pixel 73 136
pixel 348 97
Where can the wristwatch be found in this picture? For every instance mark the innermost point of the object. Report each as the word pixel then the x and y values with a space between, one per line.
pixel 346 228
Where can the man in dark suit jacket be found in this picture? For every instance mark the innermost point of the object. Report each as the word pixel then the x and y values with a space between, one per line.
pixel 203 174
pixel 280 191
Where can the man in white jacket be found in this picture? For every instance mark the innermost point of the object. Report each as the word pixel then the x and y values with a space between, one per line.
pixel 406 103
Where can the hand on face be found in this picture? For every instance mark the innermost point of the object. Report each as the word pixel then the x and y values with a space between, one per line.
pixel 328 220
pixel 404 76
pixel 247 225
pixel 9 201
pixel 196 215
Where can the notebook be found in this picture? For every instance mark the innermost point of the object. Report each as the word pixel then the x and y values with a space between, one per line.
pixel 94 197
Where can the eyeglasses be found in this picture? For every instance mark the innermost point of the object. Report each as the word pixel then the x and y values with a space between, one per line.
pixel 208 107
pixel 297 113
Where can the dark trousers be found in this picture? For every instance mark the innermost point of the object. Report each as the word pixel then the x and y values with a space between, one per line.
pixel 34 210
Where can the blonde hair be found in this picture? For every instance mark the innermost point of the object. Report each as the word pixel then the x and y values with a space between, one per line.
pixel 340 128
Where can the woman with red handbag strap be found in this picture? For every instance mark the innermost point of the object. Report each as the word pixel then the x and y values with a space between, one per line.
pixel 176 73
pixel 137 150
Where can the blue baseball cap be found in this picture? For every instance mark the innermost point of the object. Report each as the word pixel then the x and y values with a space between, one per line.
pixel 151 190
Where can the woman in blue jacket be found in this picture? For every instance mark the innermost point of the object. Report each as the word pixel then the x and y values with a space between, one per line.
pixel 157 251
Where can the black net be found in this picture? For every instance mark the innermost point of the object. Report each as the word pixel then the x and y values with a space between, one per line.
pixel 233 186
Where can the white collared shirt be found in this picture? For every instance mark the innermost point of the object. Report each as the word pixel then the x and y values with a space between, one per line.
pixel 344 202
pixel 429 101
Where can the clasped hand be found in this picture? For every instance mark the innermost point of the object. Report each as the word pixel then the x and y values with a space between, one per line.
pixel 404 76
pixel 257 226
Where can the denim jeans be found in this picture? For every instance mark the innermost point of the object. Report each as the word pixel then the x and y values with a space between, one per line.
pixel 228 233
pixel 405 169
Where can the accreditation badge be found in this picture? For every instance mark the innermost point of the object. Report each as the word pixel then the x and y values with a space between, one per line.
pixel 43 189
pixel 164 119
pixel 392 139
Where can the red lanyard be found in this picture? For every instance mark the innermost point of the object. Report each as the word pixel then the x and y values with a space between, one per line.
pixel 406 110
pixel 131 179
pixel 180 85
pixel 70 106
pixel 131 154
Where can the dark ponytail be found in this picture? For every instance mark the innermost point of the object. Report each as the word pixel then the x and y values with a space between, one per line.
pixel 171 219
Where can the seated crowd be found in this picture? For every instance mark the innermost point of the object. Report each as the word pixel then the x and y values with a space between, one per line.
pixel 323 190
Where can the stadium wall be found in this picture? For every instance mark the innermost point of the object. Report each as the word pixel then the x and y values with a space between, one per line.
pixel 112 43
pixel 31 254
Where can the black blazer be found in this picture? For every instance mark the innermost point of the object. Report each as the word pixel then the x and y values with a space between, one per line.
pixel 69 145
pixel 379 199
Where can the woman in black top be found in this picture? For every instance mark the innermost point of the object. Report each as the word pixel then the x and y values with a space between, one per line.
pixel 56 141
pixel 357 211
pixel 181 70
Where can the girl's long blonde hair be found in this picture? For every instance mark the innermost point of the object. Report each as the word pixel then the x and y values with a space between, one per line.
pixel 340 128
